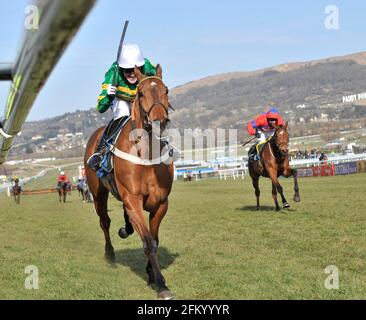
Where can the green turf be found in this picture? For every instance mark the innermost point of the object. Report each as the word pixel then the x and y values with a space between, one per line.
pixel 213 245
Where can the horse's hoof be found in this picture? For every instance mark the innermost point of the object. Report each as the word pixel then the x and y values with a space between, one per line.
pixel 165 295
pixel 150 281
pixel 296 198
pixel 110 255
pixel 278 209
pixel 286 205
pixel 123 233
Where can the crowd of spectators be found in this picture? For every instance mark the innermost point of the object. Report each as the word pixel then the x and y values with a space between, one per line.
pixel 312 154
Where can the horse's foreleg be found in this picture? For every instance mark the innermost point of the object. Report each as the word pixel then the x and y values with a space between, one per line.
pixel 274 196
pixel 134 207
pixel 155 219
pixel 293 172
pixel 279 190
pixel 296 186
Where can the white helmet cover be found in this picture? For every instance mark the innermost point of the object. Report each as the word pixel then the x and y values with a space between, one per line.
pixel 130 57
pixel 62 173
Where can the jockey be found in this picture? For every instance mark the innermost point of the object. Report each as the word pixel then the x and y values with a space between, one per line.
pixel 15 179
pixel 61 179
pixel 264 126
pixel 118 92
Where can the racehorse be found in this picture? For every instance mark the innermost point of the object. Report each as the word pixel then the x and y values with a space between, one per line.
pixel 16 190
pixel 62 191
pixel 80 190
pixel 272 164
pixel 139 184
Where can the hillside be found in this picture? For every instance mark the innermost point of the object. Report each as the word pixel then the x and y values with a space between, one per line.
pixel 309 95
pixel 359 58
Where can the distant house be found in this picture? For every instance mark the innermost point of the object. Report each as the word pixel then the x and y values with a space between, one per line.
pixel 36 138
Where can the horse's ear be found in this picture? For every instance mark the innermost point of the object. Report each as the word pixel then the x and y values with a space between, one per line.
pixel 159 71
pixel 138 73
pixel 286 124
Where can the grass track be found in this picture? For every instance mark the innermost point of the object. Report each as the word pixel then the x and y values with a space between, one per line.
pixel 213 245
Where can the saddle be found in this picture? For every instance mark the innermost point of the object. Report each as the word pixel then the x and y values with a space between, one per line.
pixel 253 149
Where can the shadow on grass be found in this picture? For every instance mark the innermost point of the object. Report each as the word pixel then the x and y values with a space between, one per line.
pixel 136 260
pixel 264 209
pixel 254 208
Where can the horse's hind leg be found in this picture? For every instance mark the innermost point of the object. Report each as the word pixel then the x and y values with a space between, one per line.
pixel 127 230
pixel 274 196
pixel 255 181
pixel 100 205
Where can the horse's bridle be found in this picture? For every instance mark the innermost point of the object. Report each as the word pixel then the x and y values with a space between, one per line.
pixel 282 154
pixel 146 114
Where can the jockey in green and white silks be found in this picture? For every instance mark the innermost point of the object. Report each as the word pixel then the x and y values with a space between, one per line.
pixel 119 89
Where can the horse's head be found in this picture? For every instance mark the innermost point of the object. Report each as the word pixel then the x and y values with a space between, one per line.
pixel 151 102
pixel 281 139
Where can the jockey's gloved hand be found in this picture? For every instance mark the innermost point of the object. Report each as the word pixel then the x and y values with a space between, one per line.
pixel 257 134
pixel 111 90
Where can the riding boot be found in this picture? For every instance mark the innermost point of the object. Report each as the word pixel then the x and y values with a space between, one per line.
pixel 95 160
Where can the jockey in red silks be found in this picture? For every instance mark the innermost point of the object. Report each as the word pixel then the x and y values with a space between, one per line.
pixel 61 179
pixel 263 127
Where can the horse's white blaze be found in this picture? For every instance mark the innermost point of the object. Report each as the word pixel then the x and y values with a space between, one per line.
pixel 153 84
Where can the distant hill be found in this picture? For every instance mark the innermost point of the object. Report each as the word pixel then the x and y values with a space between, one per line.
pixel 304 91
pixel 309 94
pixel 359 58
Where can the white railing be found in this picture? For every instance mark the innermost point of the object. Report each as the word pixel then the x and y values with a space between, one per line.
pixel 331 159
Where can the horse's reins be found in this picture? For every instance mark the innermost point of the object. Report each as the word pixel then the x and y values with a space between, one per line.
pixel 278 146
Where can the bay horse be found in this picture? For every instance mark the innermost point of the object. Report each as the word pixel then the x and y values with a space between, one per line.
pixel 62 191
pixel 273 163
pixel 16 190
pixel 139 186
